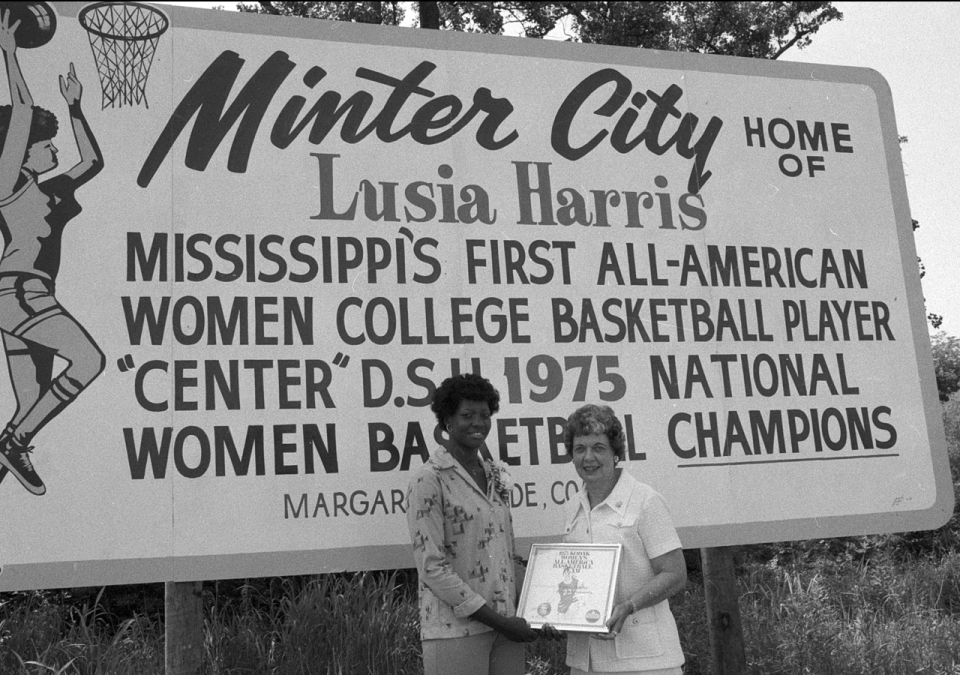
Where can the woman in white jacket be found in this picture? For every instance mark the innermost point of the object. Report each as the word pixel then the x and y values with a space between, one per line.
pixel 613 507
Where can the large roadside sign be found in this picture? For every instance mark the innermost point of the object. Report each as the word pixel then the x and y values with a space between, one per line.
pixel 262 242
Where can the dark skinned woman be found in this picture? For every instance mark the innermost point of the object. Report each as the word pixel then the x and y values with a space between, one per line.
pixel 614 507
pixel 458 512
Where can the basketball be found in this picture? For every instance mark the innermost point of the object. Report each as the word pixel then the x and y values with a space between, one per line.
pixel 38 22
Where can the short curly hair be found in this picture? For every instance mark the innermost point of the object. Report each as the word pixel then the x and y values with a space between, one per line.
pixel 595 419
pixel 466 387
pixel 43 127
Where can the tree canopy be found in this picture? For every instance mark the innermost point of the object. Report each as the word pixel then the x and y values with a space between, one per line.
pixel 946 362
pixel 751 29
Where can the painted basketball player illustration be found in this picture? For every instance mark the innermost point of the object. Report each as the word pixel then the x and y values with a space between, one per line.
pixel 34 326
pixel 567 589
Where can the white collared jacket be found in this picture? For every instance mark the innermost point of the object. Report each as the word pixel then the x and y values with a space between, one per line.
pixel 636 516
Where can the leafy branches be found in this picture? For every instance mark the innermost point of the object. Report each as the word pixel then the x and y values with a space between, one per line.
pixel 385 13
pixel 749 29
pixel 946 360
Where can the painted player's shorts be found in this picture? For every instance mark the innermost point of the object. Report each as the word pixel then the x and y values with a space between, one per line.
pixel 25 301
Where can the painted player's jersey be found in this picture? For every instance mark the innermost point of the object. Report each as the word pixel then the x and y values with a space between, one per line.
pixel 568 594
pixel 32 221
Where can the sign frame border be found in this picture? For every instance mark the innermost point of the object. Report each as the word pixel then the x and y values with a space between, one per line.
pixel 271 563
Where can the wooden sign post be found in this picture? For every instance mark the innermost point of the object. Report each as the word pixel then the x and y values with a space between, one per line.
pixel 183 629
pixel 723 611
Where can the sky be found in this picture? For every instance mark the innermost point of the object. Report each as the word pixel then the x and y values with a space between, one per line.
pixel 914 47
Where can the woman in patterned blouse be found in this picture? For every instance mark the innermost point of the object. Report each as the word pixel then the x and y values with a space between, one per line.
pixel 458 512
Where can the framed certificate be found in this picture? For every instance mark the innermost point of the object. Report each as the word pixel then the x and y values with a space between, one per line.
pixel 570 586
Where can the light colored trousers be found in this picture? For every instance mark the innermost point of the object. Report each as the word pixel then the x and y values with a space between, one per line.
pixel 664 671
pixel 488 653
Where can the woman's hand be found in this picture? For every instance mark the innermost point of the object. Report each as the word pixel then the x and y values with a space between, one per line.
pixel 516 629
pixel 670 575
pixel 71 89
pixel 8 33
pixel 548 632
pixel 617 618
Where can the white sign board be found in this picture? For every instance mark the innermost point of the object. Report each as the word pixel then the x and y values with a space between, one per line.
pixel 299 228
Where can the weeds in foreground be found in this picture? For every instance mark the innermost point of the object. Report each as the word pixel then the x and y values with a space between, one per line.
pixel 849 615
pixel 882 617
pixel 38 636
pixel 363 623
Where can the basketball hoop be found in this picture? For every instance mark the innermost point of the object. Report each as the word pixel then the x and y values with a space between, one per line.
pixel 123 37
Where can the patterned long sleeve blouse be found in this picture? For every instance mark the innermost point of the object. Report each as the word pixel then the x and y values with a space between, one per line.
pixel 463 548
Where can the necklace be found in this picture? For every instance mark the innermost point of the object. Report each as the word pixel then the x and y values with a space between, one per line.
pixel 478 474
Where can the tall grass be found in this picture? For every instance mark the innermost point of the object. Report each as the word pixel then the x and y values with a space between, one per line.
pixel 877 618
pixel 37 635
pixel 803 614
pixel 364 624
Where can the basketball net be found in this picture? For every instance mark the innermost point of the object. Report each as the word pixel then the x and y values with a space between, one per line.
pixel 123 37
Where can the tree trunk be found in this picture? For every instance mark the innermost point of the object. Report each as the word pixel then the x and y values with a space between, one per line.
pixel 378 11
pixel 429 15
